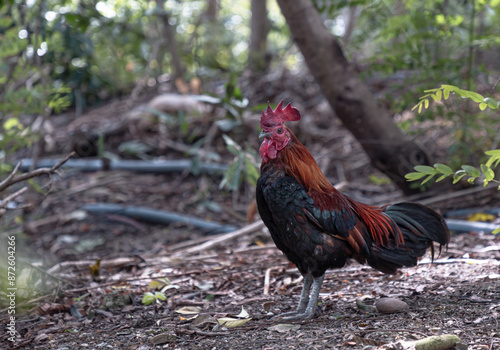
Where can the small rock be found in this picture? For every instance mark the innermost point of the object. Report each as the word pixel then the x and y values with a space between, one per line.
pixel 390 305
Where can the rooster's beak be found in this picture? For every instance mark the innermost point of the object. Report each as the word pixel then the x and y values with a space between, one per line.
pixel 264 134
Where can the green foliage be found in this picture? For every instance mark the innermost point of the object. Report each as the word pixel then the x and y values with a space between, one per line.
pixel 244 167
pixel 471 173
pixel 444 91
pixel 484 173
pixel 150 298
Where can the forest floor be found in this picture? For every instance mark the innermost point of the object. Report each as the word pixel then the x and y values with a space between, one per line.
pixel 69 302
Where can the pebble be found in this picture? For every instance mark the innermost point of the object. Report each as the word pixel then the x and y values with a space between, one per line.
pixel 390 305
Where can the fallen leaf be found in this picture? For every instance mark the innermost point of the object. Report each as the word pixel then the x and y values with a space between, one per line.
pixel 284 327
pixel 243 313
pixel 189 318
pixel 202 319
pixel 189 310
pixel 230 322
pixel 163 338
pixel 159 283
pixel 94 270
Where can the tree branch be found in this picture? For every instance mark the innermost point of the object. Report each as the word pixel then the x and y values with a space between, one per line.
pixel 10 180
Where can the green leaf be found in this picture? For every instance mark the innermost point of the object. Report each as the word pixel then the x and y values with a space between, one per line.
pixel 450 87
pixel 494 157
pixel 442 177
pixel 232 146
pixel 420 107
pixel 493 152
pixel 12 123
pixel 474 96
pixel 482 106
pixel 446 94
pixel 427 179
pixel 161 296
pixel 458 175
pixel 428 170
pixel 148 298
pixel 252 171
pixel 471 171
pixel 439 94
pixel 426 103
pixel 443 169
pixel 488 173
pixel 414 176
pixel 491 103
pixel 471 180
pixel 496 231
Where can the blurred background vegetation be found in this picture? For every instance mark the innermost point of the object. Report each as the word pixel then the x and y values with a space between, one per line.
pixel 73 55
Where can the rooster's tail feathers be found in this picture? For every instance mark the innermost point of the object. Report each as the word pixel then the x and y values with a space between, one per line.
pixel 420 226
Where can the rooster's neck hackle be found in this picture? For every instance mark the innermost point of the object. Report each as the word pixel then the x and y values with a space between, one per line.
pixel 300 164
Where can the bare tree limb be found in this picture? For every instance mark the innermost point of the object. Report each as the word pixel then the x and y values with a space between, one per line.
pixel 11 175
pixel 10 197
pixel 10 180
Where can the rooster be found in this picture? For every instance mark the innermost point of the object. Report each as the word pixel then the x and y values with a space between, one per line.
pixel 319 228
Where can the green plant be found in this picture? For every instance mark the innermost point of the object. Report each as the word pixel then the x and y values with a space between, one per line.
pixel 150 298
pixel 243 167
pixel 442 171
pixel 485 173
pixel 444 91
pixel 439 172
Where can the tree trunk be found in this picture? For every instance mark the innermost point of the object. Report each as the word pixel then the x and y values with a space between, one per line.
pixel 389 149
pixel 212 10
pixel 169 34
pixel 259 26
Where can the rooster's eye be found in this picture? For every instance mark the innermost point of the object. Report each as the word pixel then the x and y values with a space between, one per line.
pixel 280 131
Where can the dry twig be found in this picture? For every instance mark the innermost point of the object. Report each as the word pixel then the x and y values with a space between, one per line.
pixel 257 225
pixel 10 180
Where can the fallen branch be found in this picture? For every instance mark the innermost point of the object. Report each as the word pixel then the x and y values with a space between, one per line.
pixel 256 226
pixel 435 342
pixel 84 264
pixel 267 281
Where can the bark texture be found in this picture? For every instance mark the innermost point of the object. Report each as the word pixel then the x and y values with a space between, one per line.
pixel 389 149
pixel 259 26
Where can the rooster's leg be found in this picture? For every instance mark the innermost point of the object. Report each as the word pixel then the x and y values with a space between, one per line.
pixel 303 312
pixel 313 298
pixel 304 295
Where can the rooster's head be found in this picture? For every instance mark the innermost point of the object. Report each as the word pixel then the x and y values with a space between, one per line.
pixel 276 135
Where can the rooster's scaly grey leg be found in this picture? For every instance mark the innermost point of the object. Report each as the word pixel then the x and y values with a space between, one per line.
pixel 303 312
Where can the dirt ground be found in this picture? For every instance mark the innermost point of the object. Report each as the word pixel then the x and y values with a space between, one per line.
pixel 66 301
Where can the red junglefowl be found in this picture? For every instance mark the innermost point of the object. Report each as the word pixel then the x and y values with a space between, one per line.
pixel 319 228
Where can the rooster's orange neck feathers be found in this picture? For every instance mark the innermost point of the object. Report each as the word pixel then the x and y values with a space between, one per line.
pixel 300 164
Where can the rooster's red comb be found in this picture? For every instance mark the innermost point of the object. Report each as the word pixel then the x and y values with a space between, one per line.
pixel 279 115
